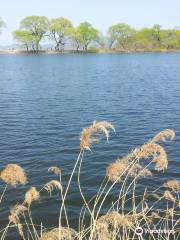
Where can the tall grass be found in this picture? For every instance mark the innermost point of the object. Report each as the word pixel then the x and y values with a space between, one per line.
pixel 129 214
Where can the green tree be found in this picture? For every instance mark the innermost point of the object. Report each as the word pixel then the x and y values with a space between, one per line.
pixel 120 35
pixel 76 38
pixel 156 34
pixel 171 38
pixel 36 27
pixel 142 39
pixel 86 35
pixel 60 31
pixel 101 40
pixel 25 38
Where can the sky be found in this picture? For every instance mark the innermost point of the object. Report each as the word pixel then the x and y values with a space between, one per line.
pixel 100 13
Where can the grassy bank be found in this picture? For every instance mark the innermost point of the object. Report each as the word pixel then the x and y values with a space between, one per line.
pixel 101 51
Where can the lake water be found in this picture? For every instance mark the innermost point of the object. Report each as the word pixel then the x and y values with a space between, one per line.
pixel 45 101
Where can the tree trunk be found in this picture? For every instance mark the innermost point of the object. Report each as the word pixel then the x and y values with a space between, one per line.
pixel 27 48
pixel 77 49
pixel 57 46
pixel 111 44
pixel 37 46
pixel 33 49
pixel 85 47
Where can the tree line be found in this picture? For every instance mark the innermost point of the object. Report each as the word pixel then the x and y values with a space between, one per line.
pixel 120 37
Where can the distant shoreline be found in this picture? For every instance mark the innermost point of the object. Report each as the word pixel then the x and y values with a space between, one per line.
pixel 52 52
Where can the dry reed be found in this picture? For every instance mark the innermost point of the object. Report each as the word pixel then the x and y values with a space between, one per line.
pixel 125 166
pixel 13 174
pixel 156 151
pixel 60 234
pixel 139 171
pixel 115 218
pixel 164 135
pixel 51 185
pixel 173 185
pixel 116 169
pixel 14 217
pixel 31 195
pixel 120 220
pixel 86 135
pixel 16 212
pixel 149 149
pixel 168 196
pixel 55 170
pixel 169 212
pixel 155 215
pixel 109 225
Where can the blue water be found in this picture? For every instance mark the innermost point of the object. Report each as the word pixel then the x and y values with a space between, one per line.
pixel 45 101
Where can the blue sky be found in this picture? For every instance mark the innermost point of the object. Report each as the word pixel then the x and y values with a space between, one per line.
pixel 100 13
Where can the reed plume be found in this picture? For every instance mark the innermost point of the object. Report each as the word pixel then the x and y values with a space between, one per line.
pixel 86 135
pixel 13 174
pixel 169 212
pixel 14 217
pixel 124 166
pixel 139 171
pixel 55 170
pixel 153 150
pixel 31 195
pixel 116 169
pixel 53 184
pixel 164 135
pixel 149 149
pixel 62 233
pixel 168 196
pixel 155 215
pixel 16 212
pixel 108 225
pixel 115 218
pixel 173 185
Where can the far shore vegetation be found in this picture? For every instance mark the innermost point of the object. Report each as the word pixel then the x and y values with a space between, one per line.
pixel 38 34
